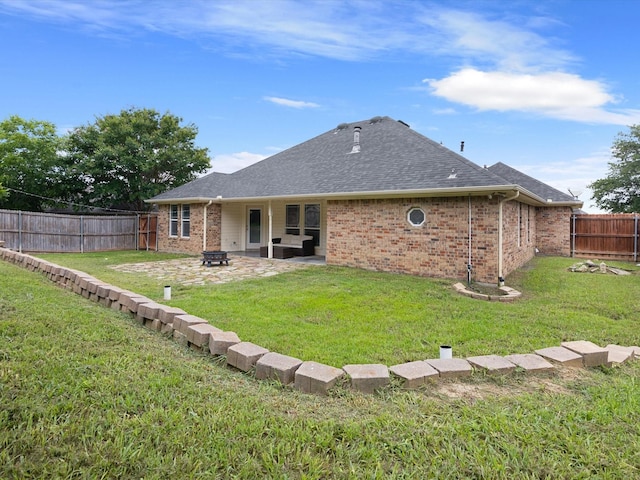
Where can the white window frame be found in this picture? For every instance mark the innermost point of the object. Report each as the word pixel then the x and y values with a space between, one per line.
pixel 179 220
pixel 185 224
pixel 314 228
pixel 424 217
pixel 174 214
pixel 519 224
pixel 292 227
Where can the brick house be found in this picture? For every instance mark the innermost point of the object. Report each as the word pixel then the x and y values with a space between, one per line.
pixel 376 195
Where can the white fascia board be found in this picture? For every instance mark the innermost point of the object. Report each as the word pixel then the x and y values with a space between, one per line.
pixel 525 196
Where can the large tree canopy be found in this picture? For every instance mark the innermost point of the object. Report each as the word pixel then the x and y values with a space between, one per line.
pixel 619 191
pixel 121 160
pixel 28 155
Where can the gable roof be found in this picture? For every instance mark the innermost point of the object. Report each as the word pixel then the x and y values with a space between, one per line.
pixel 376 157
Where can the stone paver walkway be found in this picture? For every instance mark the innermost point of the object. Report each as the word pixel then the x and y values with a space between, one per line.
pixel 190 271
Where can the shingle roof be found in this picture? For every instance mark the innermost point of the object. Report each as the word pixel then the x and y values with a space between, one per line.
pixel 392 158
pixel 534 186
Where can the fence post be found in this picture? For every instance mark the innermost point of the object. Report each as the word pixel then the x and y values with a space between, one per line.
pixel 148 231
pixel 573 235
pixel 81 233
pixel 20 231
pixel 635 238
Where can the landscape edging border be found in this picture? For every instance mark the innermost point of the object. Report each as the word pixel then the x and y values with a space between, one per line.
pixel 306 376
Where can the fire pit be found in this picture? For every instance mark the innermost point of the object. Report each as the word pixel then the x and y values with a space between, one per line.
pixel 210 256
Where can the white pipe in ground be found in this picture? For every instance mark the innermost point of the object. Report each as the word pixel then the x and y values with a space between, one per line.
pixel 446 351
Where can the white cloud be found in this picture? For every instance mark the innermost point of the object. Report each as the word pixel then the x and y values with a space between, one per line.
pixel 229 163
pixel 444 111
pixel 350 31
pixel 510 62
pixel 474 38
pixel 291 103
pixel 338 30
pixel 553 94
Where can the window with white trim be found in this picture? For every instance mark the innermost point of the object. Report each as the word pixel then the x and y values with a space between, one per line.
pixel 292 226
pixel 186 221
pixel 173 220
pixel 416 217
pixel 312 222
pixel 519 224
pixel 528 224
pixel 180 220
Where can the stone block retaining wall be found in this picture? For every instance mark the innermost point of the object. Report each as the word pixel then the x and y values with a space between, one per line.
pixel 309 376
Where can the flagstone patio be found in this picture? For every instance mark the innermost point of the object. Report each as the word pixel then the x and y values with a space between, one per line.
pixel 190 271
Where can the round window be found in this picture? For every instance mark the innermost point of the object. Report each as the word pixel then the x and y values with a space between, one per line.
pixel 416 217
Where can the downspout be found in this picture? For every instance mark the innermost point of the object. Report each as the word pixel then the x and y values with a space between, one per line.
pixel 500 241
pixel 270 241
pixel 204 233
pixel 469 266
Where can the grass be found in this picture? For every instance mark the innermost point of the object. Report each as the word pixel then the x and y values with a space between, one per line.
pixel 86 393
pixel 341 316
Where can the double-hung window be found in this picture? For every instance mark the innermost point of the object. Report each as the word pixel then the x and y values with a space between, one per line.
pixel 292 226
pixel 186 220
pixel 312 222
pixel 173 220
pixel 179 220
pixel 307 220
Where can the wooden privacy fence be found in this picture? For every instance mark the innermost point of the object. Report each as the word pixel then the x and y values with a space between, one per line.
pixel 613 236
pixel 47 232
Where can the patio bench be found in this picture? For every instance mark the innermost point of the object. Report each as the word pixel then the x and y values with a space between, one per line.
pixel 210 256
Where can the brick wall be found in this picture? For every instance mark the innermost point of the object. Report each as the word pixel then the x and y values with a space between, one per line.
pixel 554 230
pixel 192 244
pixel 375 235
pixel 214 226
pixel 519 235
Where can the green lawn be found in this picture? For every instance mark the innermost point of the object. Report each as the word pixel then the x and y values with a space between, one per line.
pixel 340 316
pixel 87 393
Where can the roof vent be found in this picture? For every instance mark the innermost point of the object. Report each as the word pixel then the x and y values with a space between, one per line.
pixel 342 126
pixel 404 123
pixel 375 120
pixel 356 140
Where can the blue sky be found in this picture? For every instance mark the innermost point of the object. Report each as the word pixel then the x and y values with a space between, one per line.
pixel 543 86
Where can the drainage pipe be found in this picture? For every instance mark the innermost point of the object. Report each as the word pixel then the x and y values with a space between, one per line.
pixel 270 241
pixel 204 226
pixel 469 255
pixel 500 240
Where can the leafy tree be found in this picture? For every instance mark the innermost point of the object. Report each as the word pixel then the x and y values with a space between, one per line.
pixel 619 192
pixel 121 160
pixel 28 154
